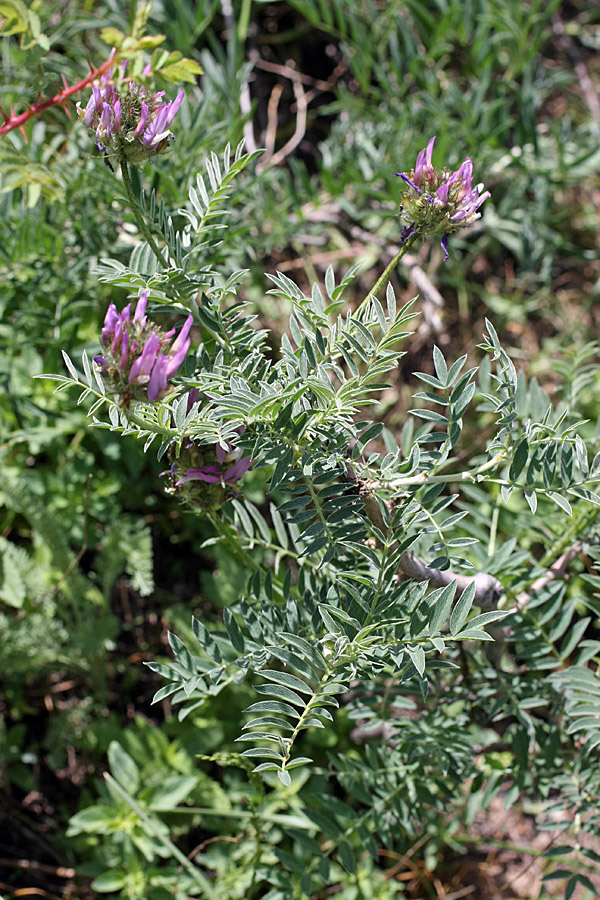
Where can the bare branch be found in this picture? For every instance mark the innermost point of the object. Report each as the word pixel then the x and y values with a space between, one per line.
pixel 488 589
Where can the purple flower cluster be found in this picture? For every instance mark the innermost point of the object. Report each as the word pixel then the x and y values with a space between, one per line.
pixel 136 362
pixel 437 201
pixel 204 476
pixel 130 122
pixel 212 474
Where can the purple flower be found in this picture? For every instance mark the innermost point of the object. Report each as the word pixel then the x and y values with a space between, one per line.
pixel 215 475
pixel 130 122
pixel 437 201
pixel 137 360
pixel 193 398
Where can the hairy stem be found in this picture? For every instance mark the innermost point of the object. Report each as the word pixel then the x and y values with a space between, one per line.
pixel 387 272
pixel 138 216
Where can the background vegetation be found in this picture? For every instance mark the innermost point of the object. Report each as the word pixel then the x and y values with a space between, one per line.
pixel 97 563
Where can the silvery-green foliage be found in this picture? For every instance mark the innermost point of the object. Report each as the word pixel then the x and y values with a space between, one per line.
pixel 336 625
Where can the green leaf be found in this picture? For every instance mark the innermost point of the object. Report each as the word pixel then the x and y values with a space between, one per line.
pixel 273 706
pixel 561 502
pixel 346 855
pixel 519 459
pixel 123 767
pixel 205 640
pixel 441 369
pixel 97 819
pixel 234 631
pixel 442 607
pixel 417 655
pixel 286 679
pixel 295 662
pixel 280 693
pixel 430 416
pixel 307 650
pixel 284 778
pixel 487 617
pixel 461 610
pixel 181 652
pixel 112 880
pixel 171 792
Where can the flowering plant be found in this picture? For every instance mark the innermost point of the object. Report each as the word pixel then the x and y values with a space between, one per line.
pixel 358 585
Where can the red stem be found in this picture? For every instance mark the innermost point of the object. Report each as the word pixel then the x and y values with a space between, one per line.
pixel 12 122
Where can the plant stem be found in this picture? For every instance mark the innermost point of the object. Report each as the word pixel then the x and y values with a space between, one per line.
pixel 138 216
pixel 237 551
pixel 11 122
pixel 577 529
pixel 469 475
pixel 387 272
pixel 149 826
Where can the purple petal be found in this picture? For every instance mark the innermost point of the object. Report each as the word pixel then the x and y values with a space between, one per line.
pixel 429 151
pixel 221 453
pixel 104 127
pixel 405 178
pixel 140 310
pixel 117 112
pixel 158 379
pixel 101 362
pixel 124 350
pixel 173 362
pixel 89 111
pixel 160 120
pixel 174 106
pixel 110 320
pixel 420 166
pixel 180 345
pixel 116 342
pixel 480 199
pixel 209 474
pixel 144 111
pixel 193 398
pixel 444 245
pixel 238 469
pixel 143 364
pixel 181 337
pixel 442 193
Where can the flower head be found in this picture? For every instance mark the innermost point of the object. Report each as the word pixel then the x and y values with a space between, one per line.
pixel 205 476
pixel 136 362
pixel 437 201
pixel 130 122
